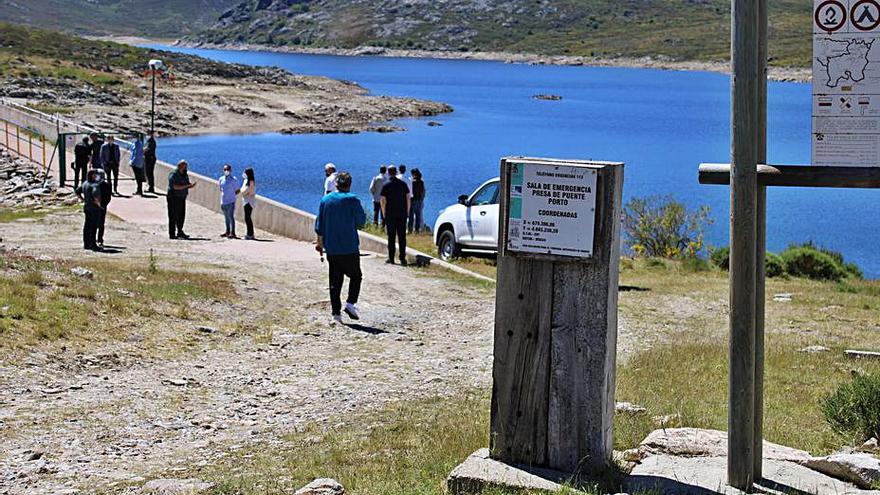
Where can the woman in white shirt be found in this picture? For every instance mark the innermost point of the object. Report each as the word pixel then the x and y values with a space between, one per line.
pixel 249 193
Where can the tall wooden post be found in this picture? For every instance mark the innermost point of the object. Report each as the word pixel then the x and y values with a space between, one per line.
pixel 743 236
pixel 761 243
pixel 556 333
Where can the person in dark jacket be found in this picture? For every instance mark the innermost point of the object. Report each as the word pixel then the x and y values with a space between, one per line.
pixel 150 162
pixel 178 189
pixel 339 218
pixel 106 195
pixel 97 143
pixel 83 154
pixel 110 157
pixel 395 205
pixel 89 193
pixel 417 205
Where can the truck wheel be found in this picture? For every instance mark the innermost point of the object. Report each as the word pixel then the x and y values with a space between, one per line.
pixel 447 247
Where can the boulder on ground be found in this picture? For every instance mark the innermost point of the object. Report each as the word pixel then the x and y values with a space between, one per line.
pixel 863 470
pixel 695 442
pixel 322 486
pixel 629 408
pixel 189 486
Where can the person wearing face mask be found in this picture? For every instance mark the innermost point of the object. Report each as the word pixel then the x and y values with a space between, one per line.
pixel 178 188
pixel 230 186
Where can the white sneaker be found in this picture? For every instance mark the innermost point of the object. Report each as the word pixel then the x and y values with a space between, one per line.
pixel 352 311
pixel 337 319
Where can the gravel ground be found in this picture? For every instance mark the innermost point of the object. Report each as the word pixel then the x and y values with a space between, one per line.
pixel 73 420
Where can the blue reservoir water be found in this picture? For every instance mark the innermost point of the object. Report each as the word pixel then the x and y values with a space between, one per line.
pixel 662 124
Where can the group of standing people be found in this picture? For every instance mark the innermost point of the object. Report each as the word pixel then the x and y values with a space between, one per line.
pixel 100 153
pixel 230 187
pixel 96 172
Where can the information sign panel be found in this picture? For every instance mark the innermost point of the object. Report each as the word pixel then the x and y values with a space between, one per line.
pixel 551 208
pixel 846 83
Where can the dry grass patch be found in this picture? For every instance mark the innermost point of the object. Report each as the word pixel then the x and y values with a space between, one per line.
pixel 44 302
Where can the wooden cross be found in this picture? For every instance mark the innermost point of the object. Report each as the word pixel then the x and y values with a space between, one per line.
pixel 749 179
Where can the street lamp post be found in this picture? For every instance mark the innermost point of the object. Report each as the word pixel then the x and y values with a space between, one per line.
pixel 156 67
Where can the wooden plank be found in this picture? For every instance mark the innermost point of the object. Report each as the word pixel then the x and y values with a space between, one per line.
pixel 521 365
pixel 798 176
pixel 760 242
pixel 743 232
pixel 520 391
pixel 862 354
pixel 584 344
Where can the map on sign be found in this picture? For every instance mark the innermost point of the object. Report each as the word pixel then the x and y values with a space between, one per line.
pixel 552 209
pixel 846 83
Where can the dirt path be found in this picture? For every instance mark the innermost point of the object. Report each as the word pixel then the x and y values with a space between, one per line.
pixel 72 420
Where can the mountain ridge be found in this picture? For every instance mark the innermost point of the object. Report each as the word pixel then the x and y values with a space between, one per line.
pixel 681 30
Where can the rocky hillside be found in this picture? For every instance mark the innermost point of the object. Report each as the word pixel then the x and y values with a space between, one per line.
pixel 103 85
pixel 150 18
pixel 674 29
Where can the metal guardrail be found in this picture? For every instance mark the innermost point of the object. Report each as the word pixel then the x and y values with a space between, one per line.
pixel 24 141
pixel 61 124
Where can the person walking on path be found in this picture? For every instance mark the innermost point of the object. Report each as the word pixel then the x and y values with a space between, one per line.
pixel 110 157
pixel 230 186
pixel 90 195
pixel 178 188
pixel 82 153
pixel 339 218
pixel 249 195
pixel 97 144
pixel 329 178
pixel 136 161
pixel 376 186
pixel 417 206
pixel 150 162
pixel 395 208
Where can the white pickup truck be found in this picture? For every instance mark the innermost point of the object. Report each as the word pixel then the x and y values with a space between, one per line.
pixel 471 226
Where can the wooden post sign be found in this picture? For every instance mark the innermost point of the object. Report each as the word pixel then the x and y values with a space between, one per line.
pixel 556 314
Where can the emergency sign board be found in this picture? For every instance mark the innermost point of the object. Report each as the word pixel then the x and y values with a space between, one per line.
pixel 846 83
pixel 551 208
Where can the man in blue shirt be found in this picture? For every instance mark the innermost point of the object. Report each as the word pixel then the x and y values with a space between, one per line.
pixel 339 218
pixel 229 189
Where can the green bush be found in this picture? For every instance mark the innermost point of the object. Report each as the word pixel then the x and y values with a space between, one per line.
pixel 810 261
pixel 662 227
pixel 774 265
pixel 720 257
pixel 854 409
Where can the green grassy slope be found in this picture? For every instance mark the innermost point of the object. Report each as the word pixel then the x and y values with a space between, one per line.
pixel 153 18
pixel 677 29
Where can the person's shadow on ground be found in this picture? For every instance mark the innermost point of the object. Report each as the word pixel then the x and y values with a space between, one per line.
pixel 365 329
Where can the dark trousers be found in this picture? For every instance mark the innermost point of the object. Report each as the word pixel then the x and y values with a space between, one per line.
pixel 149 171
pixel 248 211
pixel 102 220
pixel 113 176
pixel 176 215
pixel 90 228
pixel 341 266
pixel 396 231
pixel 377 212
pixel 80 173
pixel 139 178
